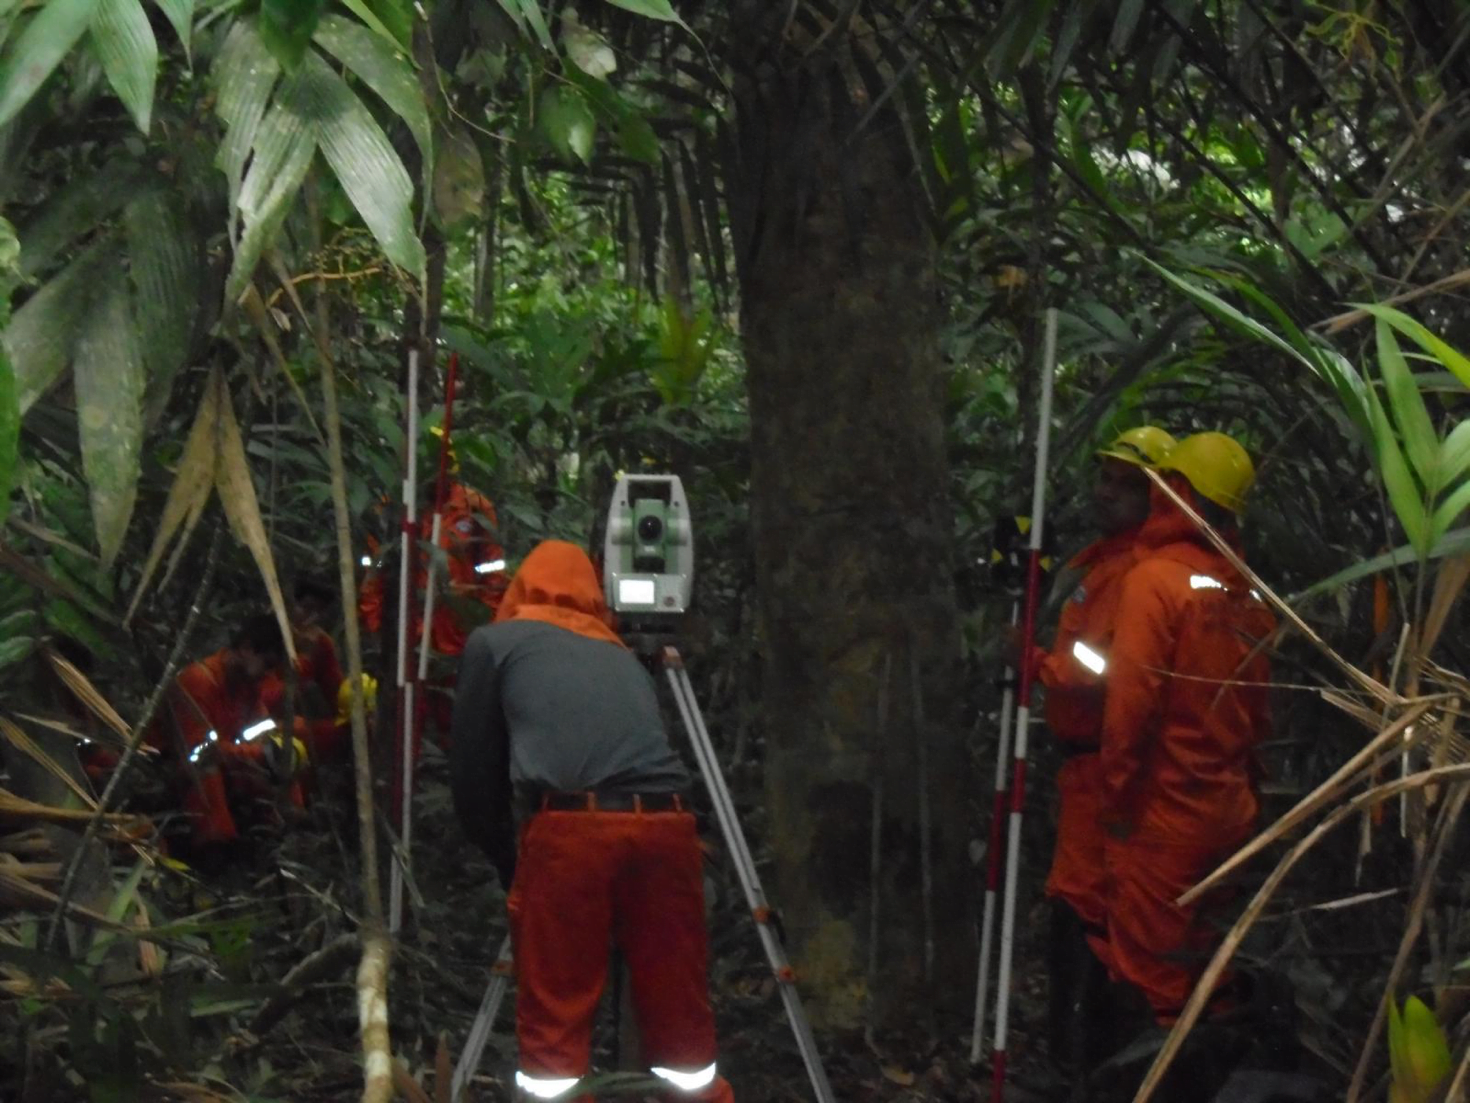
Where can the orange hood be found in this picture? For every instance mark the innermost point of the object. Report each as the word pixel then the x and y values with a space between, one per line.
pixel 556 584
pixel 1168 526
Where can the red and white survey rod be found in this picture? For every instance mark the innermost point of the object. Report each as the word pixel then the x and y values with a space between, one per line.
pixel 409 678
pixel 993 862
pixel 1023 710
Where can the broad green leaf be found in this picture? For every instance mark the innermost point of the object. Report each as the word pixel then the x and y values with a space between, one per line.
pixel 9 433
pixel 164 266
pixel 41 334
pixel 75 209
pixel 286 27
pixel 284 148
pixel 181 14
pixel 244 74
pixel 1228 314
pixel 1450 544
pixel 1421 442
pixel 123 39
pixel 385 72
pixel 10 265
pixel 1403 494
pixel 1448 511
pixel 108 369
pixel 363 160
pixel 47 38
pixel 588 50
pixel 1446 354
pixel 567 122
pixel 1454 454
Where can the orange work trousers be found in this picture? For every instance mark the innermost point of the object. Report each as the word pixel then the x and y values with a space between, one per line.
pixel 585 880
pixel 1078 876
pixel 1153 943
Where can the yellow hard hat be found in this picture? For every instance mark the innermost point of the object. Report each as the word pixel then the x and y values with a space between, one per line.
pixel 1216 466
pixel 344 697
pixel 1144 446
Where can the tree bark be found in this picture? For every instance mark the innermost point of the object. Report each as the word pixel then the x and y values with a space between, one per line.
pixel 853 532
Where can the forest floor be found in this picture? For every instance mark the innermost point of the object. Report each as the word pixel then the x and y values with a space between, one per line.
pixel 301 898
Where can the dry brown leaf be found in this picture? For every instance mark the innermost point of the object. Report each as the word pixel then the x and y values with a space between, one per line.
pixel 23 742
pixel 237 495
pixel 1449 581
pixel 191 486
pixel 87 694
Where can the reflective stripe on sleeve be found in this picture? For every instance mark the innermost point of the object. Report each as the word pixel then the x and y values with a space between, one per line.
pixel 1089 658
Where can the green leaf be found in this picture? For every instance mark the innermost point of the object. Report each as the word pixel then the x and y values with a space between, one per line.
pixel 364 161
pixel 123 39
pixel 244 74
pixel 164 265
pixel 1446 354
pixel 1421 442
pixel 9 433
pixel 73 210
pixel 1424 1052
pixel 1403 494
pixel 181 14
pixel 47 38
pixel 459 180
pixel 637 139
pixel 384 71
pixel 391 21
pixel 284 148
pixel 1448 511
pixel 531 9
pixel 108 369
pixel 567 122
pixel 654 9
pixel 41 334
pixel 588 50
pixel 286 27
pixel 1454 454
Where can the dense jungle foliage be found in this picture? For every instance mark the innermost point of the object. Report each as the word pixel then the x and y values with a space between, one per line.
pixel 799 254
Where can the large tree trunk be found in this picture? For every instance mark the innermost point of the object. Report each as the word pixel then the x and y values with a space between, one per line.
pixel 853 534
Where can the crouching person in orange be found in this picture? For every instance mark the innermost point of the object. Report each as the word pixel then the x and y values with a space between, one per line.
pixel 1079 1019
pixel 553 710
pixel 1185 709
pixel 231 758
pixel 318 675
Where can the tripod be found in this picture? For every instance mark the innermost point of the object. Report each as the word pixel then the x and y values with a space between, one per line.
pixel 755 898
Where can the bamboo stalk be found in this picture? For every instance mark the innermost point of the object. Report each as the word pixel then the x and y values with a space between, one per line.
pixel 1314 800
pixel 1205 986
pixel 372 973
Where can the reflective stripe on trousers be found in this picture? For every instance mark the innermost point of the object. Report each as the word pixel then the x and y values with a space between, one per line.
pixel 549 1087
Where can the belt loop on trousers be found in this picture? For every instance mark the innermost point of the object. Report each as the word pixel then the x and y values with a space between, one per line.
pixel 638 804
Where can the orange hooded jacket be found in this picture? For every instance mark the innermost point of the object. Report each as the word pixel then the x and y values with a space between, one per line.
pixel 467 545
pixel 1074 714
pixel 558 584
pixel 1185 710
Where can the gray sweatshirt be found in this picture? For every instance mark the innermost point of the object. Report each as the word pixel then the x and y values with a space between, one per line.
pixel 538 708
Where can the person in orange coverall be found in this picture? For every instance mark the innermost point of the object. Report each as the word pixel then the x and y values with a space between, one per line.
pixel 1074 712
pixel 1185 709
pixel 318 672
pixel 227 746
pixel 554 713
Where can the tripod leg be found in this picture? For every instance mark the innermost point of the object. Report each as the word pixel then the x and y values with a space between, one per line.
pixel 745 869
pixel 474 1047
